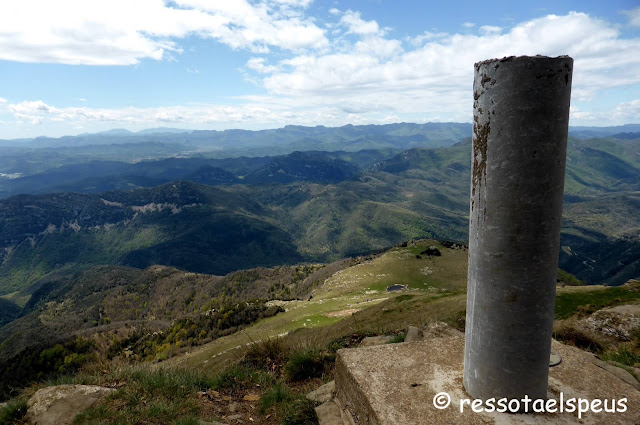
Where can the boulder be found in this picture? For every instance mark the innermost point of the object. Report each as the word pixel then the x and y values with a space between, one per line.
pixel 323 393
pixel 329 414
pixel 413 334
pixel 440 329
pixel 619 322
pixel 58 405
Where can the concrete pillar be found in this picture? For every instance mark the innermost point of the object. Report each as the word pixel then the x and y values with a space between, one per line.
pixel 521 115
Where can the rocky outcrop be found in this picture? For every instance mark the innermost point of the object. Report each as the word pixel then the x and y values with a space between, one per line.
pixel 619 322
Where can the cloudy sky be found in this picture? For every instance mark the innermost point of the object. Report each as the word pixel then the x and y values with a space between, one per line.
pixel 75 66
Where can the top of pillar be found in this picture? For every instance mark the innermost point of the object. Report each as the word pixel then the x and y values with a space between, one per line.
pixel 522 58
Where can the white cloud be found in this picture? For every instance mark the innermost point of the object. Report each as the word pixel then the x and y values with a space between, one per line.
pixel 31 107
pixel 362 75
pixel 488 29
pixel 257 111
pixel 468 25
pixel 356 25
pixel 426 36
pixel 258 64
pixel 122 32
pixel 295 3
pixel 437 76
pixel 634 16
pixel 3 100
pixel 625 112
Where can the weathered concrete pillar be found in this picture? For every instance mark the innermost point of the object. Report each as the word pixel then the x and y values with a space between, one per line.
pixel 521 115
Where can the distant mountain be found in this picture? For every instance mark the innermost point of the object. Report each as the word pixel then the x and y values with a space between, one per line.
pixel 101 176
pixel 162 130
pixel 33 156
pixel 115 132
pixel 27 161
pixel 303 166
pixel 627 136
pixel 212 176
pixel 289 138
pixel 582 132
pixel 598 166
pixel 401 135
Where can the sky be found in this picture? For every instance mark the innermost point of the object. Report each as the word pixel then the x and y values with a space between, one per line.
pixel 82 66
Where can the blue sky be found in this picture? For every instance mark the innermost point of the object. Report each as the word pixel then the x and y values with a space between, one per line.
pixel 75 66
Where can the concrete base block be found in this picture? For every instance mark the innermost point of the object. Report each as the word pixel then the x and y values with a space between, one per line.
pixel 396 384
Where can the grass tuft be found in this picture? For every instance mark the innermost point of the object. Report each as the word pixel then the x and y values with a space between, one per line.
pixel 300 412
pixel 232 378
pixel 398 338
pixel 14 412
pixel 150 396
pixel 277 394
pixel 624 354
pixel 269 354
pixel 569 332
pixel 308 364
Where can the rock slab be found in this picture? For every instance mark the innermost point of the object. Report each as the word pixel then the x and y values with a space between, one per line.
pixel 60 404
pixel 370 341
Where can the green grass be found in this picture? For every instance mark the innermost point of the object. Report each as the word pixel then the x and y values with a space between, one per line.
pixel 232 378
pixel 307 364
pixel 400 265
pixel 591 300
pixel 299 412
pixel 349 290
pixel 279 393
pixel 269 354
pixel 398 338
pixel 569 279
pixel 17 298
pixel 404 297
pixel 14 412
pixel 149 396
pixel 625 354
pixel 161 395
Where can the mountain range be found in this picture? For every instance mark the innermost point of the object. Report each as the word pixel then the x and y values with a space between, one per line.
pixel 219 215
